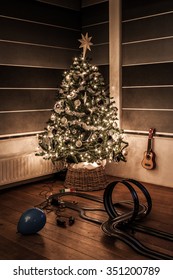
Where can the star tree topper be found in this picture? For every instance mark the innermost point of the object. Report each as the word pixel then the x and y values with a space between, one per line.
pixel 85 43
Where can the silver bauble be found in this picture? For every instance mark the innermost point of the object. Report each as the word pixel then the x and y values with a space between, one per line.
pixel 78 143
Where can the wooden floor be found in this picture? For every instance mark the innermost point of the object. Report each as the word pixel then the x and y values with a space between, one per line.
pixel 84 240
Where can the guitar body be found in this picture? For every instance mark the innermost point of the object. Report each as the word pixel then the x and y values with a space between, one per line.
pixel 148 161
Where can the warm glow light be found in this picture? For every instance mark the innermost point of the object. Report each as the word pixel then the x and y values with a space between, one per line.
pixel 83 122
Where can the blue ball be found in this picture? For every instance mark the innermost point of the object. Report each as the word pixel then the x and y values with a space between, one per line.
pixel 31 221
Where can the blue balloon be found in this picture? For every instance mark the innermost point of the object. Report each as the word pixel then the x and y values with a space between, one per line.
pixel 31 221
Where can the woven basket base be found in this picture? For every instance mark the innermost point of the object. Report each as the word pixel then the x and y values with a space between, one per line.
pixel 86 180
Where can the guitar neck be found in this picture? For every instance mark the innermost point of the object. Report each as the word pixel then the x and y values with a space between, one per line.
pixel 149 147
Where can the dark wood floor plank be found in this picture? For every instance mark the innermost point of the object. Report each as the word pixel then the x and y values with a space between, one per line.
pixel 13 251
pixel 45 247
pixel 85 239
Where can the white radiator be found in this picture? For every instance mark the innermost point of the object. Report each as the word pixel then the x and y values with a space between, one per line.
pixel 20 168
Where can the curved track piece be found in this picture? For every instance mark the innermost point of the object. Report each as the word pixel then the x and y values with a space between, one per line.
pixel 82 213
pixel 110 207
pixel 111 230
pixel 145 192
pixel 81 210
pixel 151 231
pixel 83 195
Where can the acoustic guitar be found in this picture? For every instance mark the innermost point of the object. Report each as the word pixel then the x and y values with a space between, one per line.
pixel 148 161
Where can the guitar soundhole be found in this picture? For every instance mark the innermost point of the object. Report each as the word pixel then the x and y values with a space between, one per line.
pixel 148 157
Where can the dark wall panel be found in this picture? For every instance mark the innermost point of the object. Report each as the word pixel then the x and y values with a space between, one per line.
pixel 147 65
pixel 30 55
pixel 148 52
pixel 147 28
pixel 95 21
pixel 99 33
pixel 135 8
pixel 74 5
pixel 23 122
pixel 148 98
pixel 26 99
pixel 29 77
pixel 95 14
pixel 100 54
pixel 147 75
pixel 41 12
pixel 86 3
pixel 37 43
pixel 143 120
pixel 34 33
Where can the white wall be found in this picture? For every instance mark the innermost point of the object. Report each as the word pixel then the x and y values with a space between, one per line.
pixel 161 175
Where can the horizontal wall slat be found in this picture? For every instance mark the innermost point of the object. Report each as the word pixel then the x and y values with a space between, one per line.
pixel 95 14
pixel 29 32
pixel 160 98
pixel 147 28
pixel 148 52
pixel 136 8
pixel 147 75
pixel 29 77
pixel 99 54
pixel 23 122
pixel 26 99
pixel 74 5
pixel 30 55
pixel 86 3
pixel 99 33
pixel 41 12
pixel 30 99
pixel 143 120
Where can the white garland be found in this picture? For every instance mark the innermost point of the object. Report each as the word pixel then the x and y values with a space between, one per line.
pixel 88 165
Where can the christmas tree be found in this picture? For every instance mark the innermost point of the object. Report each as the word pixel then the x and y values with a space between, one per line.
pixel 83 125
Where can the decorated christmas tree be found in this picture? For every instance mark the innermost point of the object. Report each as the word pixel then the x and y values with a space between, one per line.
pixel 83 125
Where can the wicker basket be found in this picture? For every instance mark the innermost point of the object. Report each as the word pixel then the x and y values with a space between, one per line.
pixel 84 179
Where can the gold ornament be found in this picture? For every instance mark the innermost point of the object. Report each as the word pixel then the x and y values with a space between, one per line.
pixel 64 120
pixel 77 103
pixel 85 43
